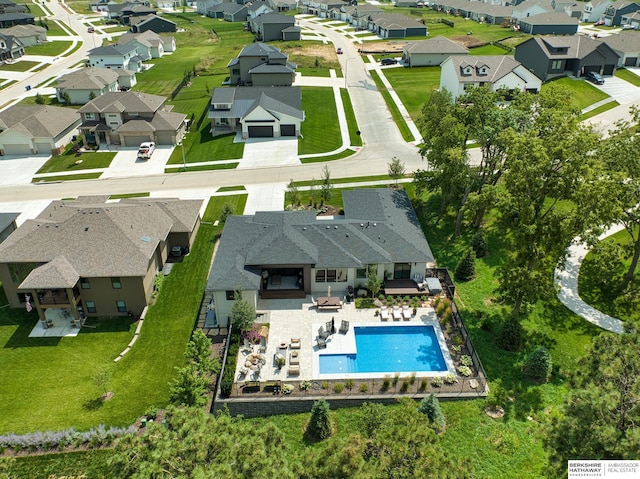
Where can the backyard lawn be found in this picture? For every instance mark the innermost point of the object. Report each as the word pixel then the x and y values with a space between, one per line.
pixel 68 162
pixel 583 93
pixel 414 86
pixel 320 129
pixel 19 66
pixel 52 49
pixel 488 50
pixel 305 54
pixel 46 382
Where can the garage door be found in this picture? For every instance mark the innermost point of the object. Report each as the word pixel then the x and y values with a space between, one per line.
pixel 608 70
pixel 592 68
pixel 135 140
pixel 43 148
pixel 631 61
pixel 260 131
pixel 10 149
pixel 288 130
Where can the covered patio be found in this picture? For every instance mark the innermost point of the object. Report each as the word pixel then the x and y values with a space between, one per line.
pixel 58 323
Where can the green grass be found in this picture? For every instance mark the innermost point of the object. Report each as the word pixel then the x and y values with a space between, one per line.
pixel 393 108
pixel 221 166
pixel 626 75
pixel 321 159
pixel 67 162
pixel 54 29
pixel 50 48
pixel 20 66
pixel 90 464
pixel 80 176
pixel 354 138
pixel 8 84
pixel 337 181
pixel 223 189
pixel 201 146
pixel 583 93
pixel 35 10
pixel 320 129
pixel 414 86
pixel 488 50
pixel 46 382
pixel 129 195
pixel 600 109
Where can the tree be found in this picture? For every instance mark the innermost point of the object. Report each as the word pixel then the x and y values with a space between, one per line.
pixel 243 313
pixel 479 244
pixel 325 185
pixel 466 268
pixel 190 387
pixel 198 353
pixel 396 169
pixel 40 99
pixel 600 418
pixel 319 425
pixel 66 98
pixel 511 336
pixel 92 95
pixel 372 417
pixel 102 378
pixel 294 193
pixel 374 282
pixel 227 210
pixel 430 407
pixel 197 444
pixel 538 364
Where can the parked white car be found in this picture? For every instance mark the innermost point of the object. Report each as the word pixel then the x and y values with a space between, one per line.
pixel 146 150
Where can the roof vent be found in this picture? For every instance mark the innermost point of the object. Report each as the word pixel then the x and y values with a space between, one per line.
pixel 328 227
pixel 361 225
pixel 335 227
pixel 146 239
pixel 347 235
pixel 304 228
pixel 86 228
pixel 375 224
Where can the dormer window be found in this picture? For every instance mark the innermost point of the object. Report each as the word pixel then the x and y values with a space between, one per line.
pixel 467 70
pixel 483 70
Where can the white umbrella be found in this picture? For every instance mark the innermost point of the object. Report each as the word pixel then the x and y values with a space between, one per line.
pixel 329 291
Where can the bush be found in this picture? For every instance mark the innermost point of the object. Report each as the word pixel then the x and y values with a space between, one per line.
pixel 348 384
pixel 372 417
pixel 338 388
pixel 228 376
pixel 386 382
pixel 511 336
pixel 405 385
pixel 497 396
pixel 479 244
pixel 466 268
pixel 466 360
pixel 465 371
pixel 437 382
pixel 227 210
pixel 305 385
pixel 430 407
pixel 538 364
pixel 319 425
pixel 450 379
pixel 423 385
pixel 364 387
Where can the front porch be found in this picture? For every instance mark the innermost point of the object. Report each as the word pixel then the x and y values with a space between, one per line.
pixel 58 323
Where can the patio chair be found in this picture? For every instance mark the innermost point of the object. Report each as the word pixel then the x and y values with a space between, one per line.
pixel 243 372
pixel 384 313
pixel 314 302
pixel 397 315
pixel 406 312
pixel 344 327
pixel 329 327
pixel 294 370
pixel 295 343
pixel 322 343
pixel 323 334
pixel 247 347
pixel 342 301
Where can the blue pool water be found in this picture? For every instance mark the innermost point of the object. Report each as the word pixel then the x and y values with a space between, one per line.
pixel 388 349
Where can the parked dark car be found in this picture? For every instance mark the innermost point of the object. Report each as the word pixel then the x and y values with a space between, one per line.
pixel 339 51
pixel 388 61
pixel 594 77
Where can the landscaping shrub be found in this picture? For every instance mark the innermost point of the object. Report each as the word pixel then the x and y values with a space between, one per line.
pixel 338 388
pixel 437 382
pixel 465 371
pixel 511 336
pixel 228 376
pixel 423 385
pixel 479 244
pixel 538 364
pixel 405 385
pixel 466 268
pixel 349 384
pixel 466 360
pixel 41 441
pixel 430 407
pixel 372 417
pixel 364 387
pixel 319 425
pixel 386 382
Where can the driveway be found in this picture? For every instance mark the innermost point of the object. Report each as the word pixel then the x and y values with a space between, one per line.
pixel 620 90
pixel 126 163
pixel 269 152
pixel 17 169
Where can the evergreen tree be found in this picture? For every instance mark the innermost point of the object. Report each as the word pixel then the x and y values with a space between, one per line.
pixel 243 314
pixel 479 244
pixel 227 210
pixel 190 387
pixel 374 282
pixel 538 364
pixel 320 422
pixel 430 407
pixel 466 268
pixel 92 95
pixel 511 336
pixel 40 99
pixel 325 185
pixel 199 353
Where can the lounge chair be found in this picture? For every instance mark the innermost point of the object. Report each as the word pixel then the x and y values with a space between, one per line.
pixel 344 327
pixel 294 370
pixel 322 333
pixel 342 301
pixel 406 312
pixel 397 315
pixel 247 347
pixel 314 302
pixel 295 343
pixel 322 343
pixel 384 313
pixel 243 372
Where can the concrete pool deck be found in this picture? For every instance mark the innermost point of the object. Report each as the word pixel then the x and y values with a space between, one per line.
pixel 296 318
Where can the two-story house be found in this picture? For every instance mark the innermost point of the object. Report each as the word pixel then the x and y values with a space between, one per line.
pixel 256 9
pixel 274 26
pixel 154 23
pixel 593 10
pixel 29 35
pixel 529 8
pixel 260 64
pixel 614 12
pixel 322 8
pixel 458 73
pixel 150 44
pixel 86 83
pixel 116 56
pixel 231 12
pixel 130 118
pixel 10 47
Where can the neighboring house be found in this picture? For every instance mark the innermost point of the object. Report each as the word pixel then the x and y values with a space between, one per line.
pixel 129 13
pixel 116 11
pixel 86 83
pixel 627 46
pixel 36 129
pixel 431 52
pixel 593 10
pixel 7 224
pixel 150 44
pixel 394 25
pixel 554 56
pixel 257 112
pixel 29 35
pixel 116 56
pixel 553 23
pixel 130 118
pixel 379 229
pixel 459 73
pixel 614 12
pixel 529 8
pixel 260 64
pixel 322 8
pixel 231 12
pixel 632 19
pixel 203 6
pixel 8 20
pixel 474 10
pixel 126 78
pixel 10 47
pixel 269 26
pixel 282 5
pixel 154 23
pixel 7 6
pixel 94 258
pixel 256 9
pixel 357 15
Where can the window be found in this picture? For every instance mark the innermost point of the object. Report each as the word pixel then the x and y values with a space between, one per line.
pixel 231 295
pixel 361 273
pixel 556 64
pixel 91 306
pixel 235 71
pixel 122 306
pixel 89 116
pixel 401 271
pixel 84 283
pixel 331 275
pixel 115 283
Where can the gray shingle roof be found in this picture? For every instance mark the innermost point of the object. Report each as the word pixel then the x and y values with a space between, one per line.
pixel 57 273
pixel 498 67
pixel 118 102
pixel 578 46
pixel 287 100
pixel 272 17
pixel 435 45
pixel 39 120
pixel 550 18
pixel 87 78
pixel 260 49
pixel 116 50
pixel 379 226
pixel 627 42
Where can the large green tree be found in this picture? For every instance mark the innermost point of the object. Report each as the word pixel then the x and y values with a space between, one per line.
pixel 601 416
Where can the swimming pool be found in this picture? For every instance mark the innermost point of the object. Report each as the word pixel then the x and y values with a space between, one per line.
pixel 388 349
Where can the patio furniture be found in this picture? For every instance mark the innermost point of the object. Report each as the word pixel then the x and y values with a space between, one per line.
pixel 294 357
pixel 322 343
pixel 330 326
pixel 314 303
pixel 294 370
pixel 295 343
pixel 263 345
pixel 406 312
pixel 397 315
pixel 344 327
pixel 322 333
pixel 243 372
pixel 342 301
pixel 328 302
pixel 384 313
